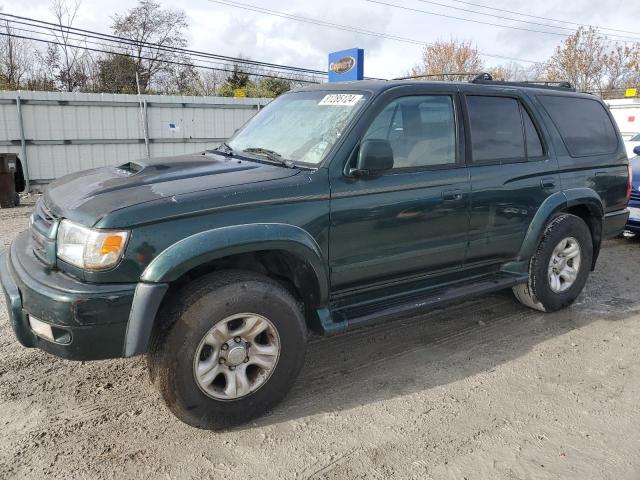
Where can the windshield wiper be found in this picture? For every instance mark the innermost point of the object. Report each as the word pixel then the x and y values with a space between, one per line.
pixel 271 155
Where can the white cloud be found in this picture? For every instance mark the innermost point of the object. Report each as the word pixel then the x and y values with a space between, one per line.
pixel 232 31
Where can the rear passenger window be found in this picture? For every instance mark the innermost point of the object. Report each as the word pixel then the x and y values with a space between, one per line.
pixel 496 129
pixel 583 124
pixel 534 145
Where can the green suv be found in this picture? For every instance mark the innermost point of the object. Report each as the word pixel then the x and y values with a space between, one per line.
pixel 335 206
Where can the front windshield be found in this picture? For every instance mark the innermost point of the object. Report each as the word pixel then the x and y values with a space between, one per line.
pixel 301 126
pixel 636 138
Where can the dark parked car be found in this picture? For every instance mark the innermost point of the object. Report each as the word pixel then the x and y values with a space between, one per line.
pixel 633 224
pixel 335 206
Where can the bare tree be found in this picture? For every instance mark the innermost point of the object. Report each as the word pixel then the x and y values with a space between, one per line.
pixel 15 58
pixel 40 75
pixel 509 71
pixel 152 30
pixel 70 62
pixel 209 81
pixel 451 56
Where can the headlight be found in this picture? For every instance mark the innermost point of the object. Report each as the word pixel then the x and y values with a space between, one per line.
pixel 89 248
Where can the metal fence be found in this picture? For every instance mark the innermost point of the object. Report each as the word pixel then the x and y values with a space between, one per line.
pixel 58 133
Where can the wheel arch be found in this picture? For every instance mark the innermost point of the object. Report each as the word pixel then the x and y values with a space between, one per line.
pixel 584 203
pixel 285 252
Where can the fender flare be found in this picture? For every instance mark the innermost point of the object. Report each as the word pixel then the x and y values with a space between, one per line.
pixel 204 247
pixel 210 245
pixel 558 202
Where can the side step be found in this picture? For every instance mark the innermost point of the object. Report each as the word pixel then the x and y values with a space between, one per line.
pixel 341 317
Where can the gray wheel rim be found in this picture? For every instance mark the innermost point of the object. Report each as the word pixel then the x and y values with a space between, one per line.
pixel 236 356
pixel 564 265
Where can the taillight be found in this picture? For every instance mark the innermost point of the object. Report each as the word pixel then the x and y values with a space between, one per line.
pixel 630 185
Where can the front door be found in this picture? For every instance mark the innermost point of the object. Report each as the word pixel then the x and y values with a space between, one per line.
pixel 413 219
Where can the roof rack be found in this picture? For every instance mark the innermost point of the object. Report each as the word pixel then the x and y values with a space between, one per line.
pixel 487 79
pixel 430 75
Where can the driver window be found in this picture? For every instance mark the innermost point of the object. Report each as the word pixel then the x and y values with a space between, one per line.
pixel 420 129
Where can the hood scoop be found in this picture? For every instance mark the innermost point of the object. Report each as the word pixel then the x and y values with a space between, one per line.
pixel 129 168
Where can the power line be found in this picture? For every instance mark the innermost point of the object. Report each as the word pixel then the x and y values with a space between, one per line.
pixel 502 17
pixel 171 62
pixel 221 66
pixel 481 22
pixel 540 18
pixel 348 28
pixel 75 37
pixel 105 36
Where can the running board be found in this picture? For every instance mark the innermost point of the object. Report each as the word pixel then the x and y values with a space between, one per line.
pixel 338 319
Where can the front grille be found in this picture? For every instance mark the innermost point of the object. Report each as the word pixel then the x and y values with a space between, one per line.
pixel 42 222
pixel 635 195
pixel 42 216
pixel 39 244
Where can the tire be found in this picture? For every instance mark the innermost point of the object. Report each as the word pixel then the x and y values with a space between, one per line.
pixel 16 199
pixel 214 306
pixel 539 292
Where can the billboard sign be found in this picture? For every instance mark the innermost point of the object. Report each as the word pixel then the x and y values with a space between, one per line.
pixel 346 65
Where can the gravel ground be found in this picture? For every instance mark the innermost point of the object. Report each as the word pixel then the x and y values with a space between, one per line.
pixel 482 389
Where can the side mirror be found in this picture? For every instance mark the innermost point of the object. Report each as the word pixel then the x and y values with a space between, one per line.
pixel 636 149
pixel 374 157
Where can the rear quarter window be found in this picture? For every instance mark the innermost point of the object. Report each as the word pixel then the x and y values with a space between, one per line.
pixel 584 125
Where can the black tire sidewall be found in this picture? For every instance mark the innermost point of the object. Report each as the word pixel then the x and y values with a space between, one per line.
pixel 247 295
pixel 561 227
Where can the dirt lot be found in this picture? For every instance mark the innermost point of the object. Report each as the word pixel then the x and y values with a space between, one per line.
pixel 483 389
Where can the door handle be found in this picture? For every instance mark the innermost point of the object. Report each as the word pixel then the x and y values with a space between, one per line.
pixel 547 183
pixel 452 195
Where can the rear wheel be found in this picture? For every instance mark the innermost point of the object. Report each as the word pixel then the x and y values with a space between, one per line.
pixel 229 348
pixel 559 269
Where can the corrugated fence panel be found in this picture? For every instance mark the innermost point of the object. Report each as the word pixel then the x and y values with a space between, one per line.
pixel 68 132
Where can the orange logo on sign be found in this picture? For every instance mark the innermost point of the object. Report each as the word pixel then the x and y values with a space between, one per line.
pixel 343 65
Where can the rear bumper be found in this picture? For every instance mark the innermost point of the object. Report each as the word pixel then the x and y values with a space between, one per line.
pixel 95 316
pixel 614 223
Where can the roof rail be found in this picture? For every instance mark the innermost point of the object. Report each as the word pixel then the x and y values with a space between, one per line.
pixel 487 79
pixel 430 75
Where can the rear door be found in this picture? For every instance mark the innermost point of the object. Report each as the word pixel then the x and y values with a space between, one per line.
pixel 511 172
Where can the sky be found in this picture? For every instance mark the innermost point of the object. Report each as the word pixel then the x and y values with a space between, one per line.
pixel 227 30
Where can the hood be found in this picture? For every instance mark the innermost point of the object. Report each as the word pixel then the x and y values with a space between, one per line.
pixel 89 195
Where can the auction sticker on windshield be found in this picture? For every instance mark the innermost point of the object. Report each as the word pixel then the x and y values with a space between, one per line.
pixel 340 99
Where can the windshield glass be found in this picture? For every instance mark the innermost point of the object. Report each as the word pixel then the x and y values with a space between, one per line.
pixel 302 126
pixel 636 138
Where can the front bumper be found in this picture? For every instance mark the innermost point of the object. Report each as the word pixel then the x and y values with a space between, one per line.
pixel 95 315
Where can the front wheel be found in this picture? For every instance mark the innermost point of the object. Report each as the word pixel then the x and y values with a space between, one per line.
pixel 227 349
pixel 559 269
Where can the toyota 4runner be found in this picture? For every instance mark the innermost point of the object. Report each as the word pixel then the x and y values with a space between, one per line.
pixel 335 206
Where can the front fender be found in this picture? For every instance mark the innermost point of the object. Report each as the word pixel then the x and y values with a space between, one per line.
pixel 211 245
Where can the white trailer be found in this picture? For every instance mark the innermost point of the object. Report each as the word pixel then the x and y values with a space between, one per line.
pixel 626 111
